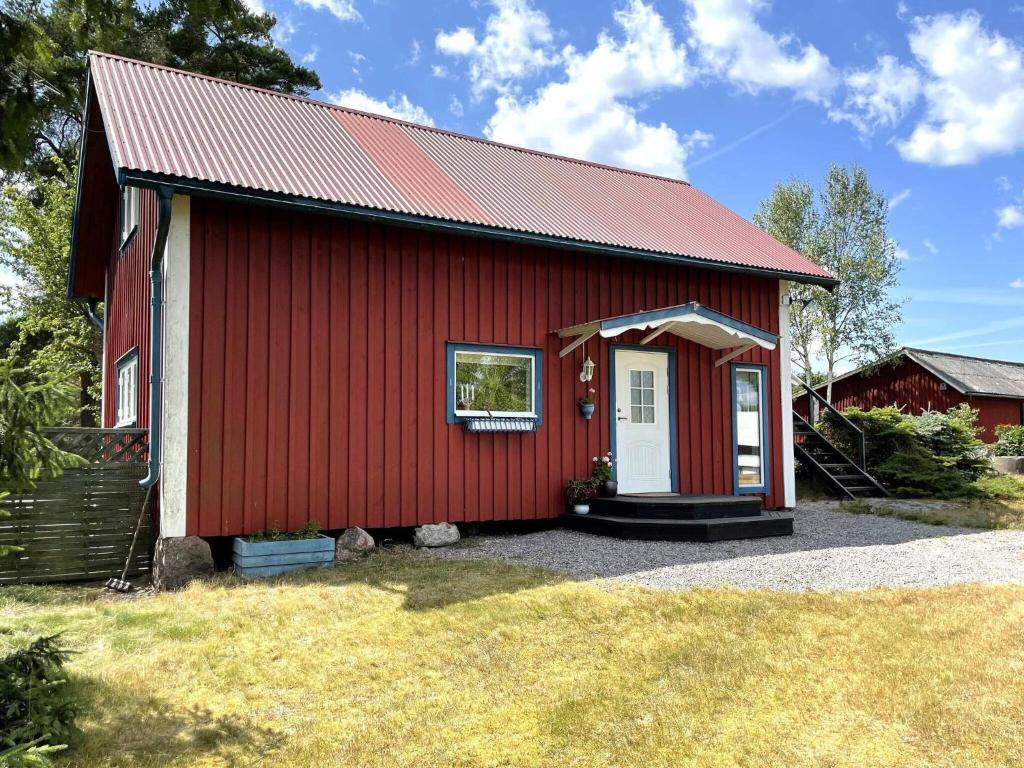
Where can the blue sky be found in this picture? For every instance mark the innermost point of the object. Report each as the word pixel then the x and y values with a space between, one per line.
pixel 734 95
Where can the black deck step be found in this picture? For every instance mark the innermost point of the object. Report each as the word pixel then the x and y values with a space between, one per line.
pixel 677 507
pixel 661 529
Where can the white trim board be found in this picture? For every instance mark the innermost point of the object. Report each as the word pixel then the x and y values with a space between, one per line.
pixel 174 456
pixel 786 369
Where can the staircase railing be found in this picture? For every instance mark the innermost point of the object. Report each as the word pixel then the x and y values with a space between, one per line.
pixel 858 433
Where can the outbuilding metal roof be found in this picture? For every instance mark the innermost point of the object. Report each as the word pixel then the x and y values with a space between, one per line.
pixel 972 375
pixel 169 125
pixel 967 375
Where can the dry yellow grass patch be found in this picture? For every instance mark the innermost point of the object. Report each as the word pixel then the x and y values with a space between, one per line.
pixel 401 661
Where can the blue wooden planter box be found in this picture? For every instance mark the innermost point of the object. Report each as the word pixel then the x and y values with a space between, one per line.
pixel 269 558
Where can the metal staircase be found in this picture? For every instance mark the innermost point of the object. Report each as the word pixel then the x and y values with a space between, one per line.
pixel 846 477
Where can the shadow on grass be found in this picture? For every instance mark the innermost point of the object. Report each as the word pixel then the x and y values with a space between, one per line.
pixel 123 727
pixel 423 582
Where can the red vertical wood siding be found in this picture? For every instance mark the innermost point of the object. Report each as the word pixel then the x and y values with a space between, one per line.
pixel 127 310
pixel 318 367
pixel 913 388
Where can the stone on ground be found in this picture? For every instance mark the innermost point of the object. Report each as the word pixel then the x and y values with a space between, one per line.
pixel 435 535
pixel 179 560
pixel 353 544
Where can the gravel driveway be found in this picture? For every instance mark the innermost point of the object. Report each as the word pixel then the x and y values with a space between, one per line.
pixel 831 549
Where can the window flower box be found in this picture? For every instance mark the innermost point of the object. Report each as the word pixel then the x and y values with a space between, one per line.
pixel 269 558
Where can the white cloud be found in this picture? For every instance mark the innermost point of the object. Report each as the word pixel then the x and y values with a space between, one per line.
pixel 1018 283
pixel 309 57
pixel 439 71
pixel 732 44
pixel 398 105
pixel 415 50
pixel 898 198
pixel 256 6
pixel 903 254
pixel 341 9
pixel 879 97
pixel 517 43
pixel 1003 183
pixel 973 88
pixel 284 30
pixel 1010 216
pixel 455 106
pixel 461 42
pixel 589 115
pixel 930 247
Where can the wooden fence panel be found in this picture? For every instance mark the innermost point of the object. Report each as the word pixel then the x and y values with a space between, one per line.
pixel 79 526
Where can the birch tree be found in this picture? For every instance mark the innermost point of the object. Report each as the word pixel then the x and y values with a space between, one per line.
pixel 843 228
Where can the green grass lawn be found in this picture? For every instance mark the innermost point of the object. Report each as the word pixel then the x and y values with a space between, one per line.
pixel 403 661
pixel 996 501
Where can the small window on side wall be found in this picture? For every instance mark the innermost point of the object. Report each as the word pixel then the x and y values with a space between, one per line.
pixel 127 395
pixel 130 207
pixel 493 382
pixel 750 428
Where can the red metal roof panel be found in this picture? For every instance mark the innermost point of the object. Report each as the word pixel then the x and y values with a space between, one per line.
pixel 179 124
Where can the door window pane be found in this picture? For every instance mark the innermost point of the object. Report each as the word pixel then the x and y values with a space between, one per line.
pixel 641 397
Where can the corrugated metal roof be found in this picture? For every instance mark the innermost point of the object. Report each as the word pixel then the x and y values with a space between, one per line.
pixel 973 375
pixel 177 124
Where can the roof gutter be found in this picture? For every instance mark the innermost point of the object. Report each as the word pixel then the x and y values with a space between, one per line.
pixel 163 225
pixel 90 310
pixel 277 199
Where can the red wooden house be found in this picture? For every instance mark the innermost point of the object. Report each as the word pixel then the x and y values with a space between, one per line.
pixel 368 322
pixel 917 380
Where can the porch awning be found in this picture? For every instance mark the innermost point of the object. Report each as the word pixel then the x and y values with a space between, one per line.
pixel 692 321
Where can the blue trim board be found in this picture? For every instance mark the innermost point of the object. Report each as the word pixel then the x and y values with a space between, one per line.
pixel 693 308
pixel 673 423
pixel 470 346
pixel 765 452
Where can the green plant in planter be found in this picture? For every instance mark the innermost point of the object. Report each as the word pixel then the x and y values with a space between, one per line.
pixel 580 491
pixel 309 531
pixel 587 399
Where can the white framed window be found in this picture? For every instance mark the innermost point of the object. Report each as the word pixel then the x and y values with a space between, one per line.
pixel 127 395
pixel 750 428
pixel 129 212
pixel 497 381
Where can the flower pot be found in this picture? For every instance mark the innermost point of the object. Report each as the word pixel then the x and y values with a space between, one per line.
pixel 586 410
pixel 608 488
pixel 581 509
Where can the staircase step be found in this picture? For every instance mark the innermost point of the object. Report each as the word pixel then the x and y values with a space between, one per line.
pixel 660 529
pixel 677 507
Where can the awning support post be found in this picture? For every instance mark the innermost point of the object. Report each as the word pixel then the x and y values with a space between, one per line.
pixel 734 354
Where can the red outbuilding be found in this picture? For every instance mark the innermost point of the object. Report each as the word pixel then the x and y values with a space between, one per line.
pixel 364 322
pixel 917 380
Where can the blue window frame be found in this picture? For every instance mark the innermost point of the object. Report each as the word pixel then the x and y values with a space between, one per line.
pixel 750 428
pixel 492 381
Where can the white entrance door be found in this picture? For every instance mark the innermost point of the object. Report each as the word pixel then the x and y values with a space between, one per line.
pixel 642 422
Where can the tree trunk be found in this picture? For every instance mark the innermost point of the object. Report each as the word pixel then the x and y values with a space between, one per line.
pixel 87 416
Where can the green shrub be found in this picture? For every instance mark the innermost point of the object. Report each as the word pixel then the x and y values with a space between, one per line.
pixel 935 454
pixel 1009 440
pixel 39 709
